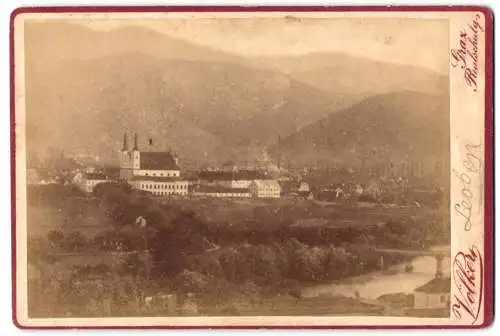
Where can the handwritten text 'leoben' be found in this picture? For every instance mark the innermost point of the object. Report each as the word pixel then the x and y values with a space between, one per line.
pixel 466 55
pixel 469 175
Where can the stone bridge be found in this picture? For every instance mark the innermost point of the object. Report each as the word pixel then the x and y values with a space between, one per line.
pixel 439 253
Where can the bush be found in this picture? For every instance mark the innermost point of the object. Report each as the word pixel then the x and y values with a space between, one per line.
pixel 190 281
pixel 205 264
pixel 235 265
pixel 133 265
pixel 111 189
pixel 52 194
pixel 75 241
pixel 55 238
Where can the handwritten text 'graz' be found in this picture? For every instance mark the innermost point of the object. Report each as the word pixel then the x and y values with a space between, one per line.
pixel 466 55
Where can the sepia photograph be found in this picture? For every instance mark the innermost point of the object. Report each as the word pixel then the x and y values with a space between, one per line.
pixel 224 165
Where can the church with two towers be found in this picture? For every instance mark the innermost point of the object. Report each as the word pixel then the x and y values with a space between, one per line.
pixel 155 172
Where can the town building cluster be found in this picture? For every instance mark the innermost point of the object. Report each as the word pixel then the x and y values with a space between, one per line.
pixel 159 173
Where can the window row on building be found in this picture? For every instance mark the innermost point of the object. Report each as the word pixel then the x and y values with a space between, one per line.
pixel 167 193
pixel 152 186
pixel 161 174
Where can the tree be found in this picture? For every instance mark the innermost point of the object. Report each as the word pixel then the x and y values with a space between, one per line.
pixel 235 265
pixel 189 281
pixel 55 238
pixel 205 264
pixel 110 188
pixel 133 265
pixel 336 263
pixel 75 240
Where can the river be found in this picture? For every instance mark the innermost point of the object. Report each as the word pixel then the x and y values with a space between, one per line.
pixel 372 285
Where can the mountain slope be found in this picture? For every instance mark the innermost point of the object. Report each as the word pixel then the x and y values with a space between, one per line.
pixel 384 128
pixel 63 40
pixel 85 87
pixel 201 109
pixel 361 77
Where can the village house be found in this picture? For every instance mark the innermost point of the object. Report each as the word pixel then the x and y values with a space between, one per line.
pixel 265 189
pixel 88 181
pixel 433 295
pixel 304 187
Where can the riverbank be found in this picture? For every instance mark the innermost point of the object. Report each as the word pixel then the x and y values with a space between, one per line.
pixel 377 283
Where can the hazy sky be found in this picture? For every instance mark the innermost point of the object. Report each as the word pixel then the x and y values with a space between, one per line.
pixel 421 42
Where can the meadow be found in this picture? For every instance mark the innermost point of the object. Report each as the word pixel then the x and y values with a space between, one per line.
pixel 224 251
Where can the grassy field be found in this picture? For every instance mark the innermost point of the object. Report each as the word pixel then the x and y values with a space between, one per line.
pixel 88 218
pixel 289 306
pixel 277 306
pixel 274 245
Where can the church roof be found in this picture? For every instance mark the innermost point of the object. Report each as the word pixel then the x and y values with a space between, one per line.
pixel 157 161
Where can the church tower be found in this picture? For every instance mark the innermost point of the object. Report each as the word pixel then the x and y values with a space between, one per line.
pixel 136 146
pixel 124 155
pixel 136 153
pixel 125 143
pixel 129 160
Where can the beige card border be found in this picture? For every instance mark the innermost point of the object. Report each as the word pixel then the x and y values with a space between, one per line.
pixel 467 128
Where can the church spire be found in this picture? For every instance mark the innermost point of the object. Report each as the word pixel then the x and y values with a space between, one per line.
pixel 125 142
pixel 136 146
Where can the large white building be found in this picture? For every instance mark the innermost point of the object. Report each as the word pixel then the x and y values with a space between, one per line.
pixel 220 191
pixel 155 172
pixel 265 189
pixel 230 179
pixel 237 183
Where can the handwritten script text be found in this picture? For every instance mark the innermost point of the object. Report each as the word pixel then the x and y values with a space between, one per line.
pixel 467 277
pixel 471 166
pixel 466 55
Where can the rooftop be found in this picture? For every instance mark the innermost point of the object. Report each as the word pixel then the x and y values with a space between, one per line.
pixel 435 286
pixel 220 189
pixel 156 178
pixel 267 183
pixel 96 176
pixel 158 161
pixel 229 175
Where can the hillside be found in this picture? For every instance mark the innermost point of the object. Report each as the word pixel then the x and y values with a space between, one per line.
pixel 85 87
pixel 385 128
pixel 356 76
pixel 201 109
pixel 59 39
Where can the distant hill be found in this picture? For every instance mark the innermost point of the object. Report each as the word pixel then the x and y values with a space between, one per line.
pixel 84 88
pixel 385 128
pixel 356 78
pixel 204 110
pixel 58 39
